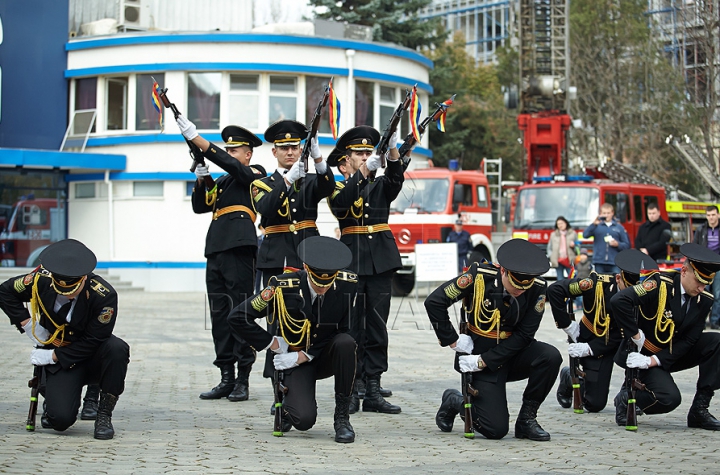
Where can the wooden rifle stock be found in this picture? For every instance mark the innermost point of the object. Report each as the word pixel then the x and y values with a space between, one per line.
pixel 468 391
pixel 575 373
pixel 195 152
pixel 409 141
pixel 34 385
pixel 280 391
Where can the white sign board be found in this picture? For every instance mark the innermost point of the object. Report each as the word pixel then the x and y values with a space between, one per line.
pixel 436 262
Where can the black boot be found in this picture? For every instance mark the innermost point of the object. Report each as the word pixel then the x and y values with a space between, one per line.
pixel 526 425
pixel 344 432
pixel 373 401
pixel 452 404
pixel 621 408
pixel 355 396
pixel 227 383
pixel 44 421
pixel 564 390
pixel 241 391
pixel 103 424
pixel 90 403
pixel 699 416
pixel 360 384
pixel 384 392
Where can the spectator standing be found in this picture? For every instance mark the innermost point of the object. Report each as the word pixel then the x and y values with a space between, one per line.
pixel 561 247
pixel 651 238
pixel 709 236
pixel 464 244
pixel 609 238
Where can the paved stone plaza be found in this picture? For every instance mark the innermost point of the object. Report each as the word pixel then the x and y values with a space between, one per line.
pixel 163 427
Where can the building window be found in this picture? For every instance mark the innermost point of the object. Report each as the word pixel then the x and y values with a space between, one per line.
pixel 245 100
pixel 147 188
pixel 314 90
pixel 85 190
pixel 85 93
pixel 117 90
pixel 146 117
pixel 364 103
pixel 204 100
pixel 388 103
pixel 283 98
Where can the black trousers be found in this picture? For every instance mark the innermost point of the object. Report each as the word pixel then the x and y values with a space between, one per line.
pixel 337 359
pixel 63 387
pixel 539 363
pixel 662 394
pixel 598 372
pixel 369 323
pixel 230 280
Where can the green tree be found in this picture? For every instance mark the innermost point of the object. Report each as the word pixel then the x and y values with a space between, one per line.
pixel 392 21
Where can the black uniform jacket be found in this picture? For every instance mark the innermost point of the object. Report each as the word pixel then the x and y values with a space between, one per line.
pixel 644 297
pixel 234 229
pixel 520 317
pixel 561 290
pixel 293 291
pixel 361 202
pixel 91 323
pixel 280 206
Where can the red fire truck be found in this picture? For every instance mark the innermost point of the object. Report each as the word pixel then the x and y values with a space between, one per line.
pixel 29 230
pixel 431 200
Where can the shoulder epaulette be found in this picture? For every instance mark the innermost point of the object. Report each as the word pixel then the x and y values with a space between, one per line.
pixel 99 287
pixel 259 183
pixel 648 286
pixel 707 294
pixel 284 282
pixel 483 269
pixel 347 276
pixel 539 281
pixel 666 279
pixel 257 171
pixel 338 188
pixel 606 278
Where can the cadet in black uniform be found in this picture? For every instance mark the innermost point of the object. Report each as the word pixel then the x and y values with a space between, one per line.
pixel 70 320
pixel 362 206
pixel 597 339
pixel 287 199
pixel 313 309
pixel 665 317
pixel 230 247
pixel 504 307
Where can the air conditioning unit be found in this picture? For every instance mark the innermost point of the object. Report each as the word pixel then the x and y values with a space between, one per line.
pixel 132 15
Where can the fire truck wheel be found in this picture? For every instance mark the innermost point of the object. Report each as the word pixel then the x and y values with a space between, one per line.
pixel 402 284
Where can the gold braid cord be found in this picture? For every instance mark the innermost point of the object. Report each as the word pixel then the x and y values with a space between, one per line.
pixel 36 306
pixel 601 322
pixel 482 314
pixel 290 327
pixel 662 322
pixel 211 196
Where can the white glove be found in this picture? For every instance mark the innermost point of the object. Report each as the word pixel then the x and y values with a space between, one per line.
pixel 392 143
pixel 636 360
pixel 41 332
pixel 286 360
pixel 40 357
pixel 283 348
pixel 468 364
pixel 579 350
pixel 464 345
pixel 373 163
pixel 296 172
pixel 315 149
pixel 573 330
pixel 187 128
pixel 201 171
pixel 640 341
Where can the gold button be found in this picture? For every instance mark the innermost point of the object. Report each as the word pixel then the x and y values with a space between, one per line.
pixel 292 228
pixel 503 335
pixel 315 335
pixel 367 204
pixel 294 221
pixel 370 228
pixel 292 200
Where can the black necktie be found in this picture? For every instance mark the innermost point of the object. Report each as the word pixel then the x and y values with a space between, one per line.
pixel 64 310
pixel 686 305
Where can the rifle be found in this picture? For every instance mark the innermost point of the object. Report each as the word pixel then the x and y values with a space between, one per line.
pixel 410 141
pixel 468 391
pixel 280 391
pixel 34 385
pixel 315 125
pixel 195 152
pixel 575 373
pixel 384 143
pixel 632 383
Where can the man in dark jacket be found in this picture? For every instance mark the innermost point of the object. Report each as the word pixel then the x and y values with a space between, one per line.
pixel 230 247
pixel 653 235
pixel 709 236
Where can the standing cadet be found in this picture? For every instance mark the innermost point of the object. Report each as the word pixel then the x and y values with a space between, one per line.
pixel 70 322
pixel 665 317
pixel 230 247
pixel 362 206
pixel 597 339
pixel 504 307
pixel 312 307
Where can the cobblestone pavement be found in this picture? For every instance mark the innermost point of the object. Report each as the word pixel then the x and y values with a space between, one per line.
pixel 163 427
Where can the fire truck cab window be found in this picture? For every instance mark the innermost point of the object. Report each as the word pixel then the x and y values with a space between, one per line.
pixel 620 203
pixel 482 197
pixel 428 195
pixel 466 195
pixel 637 206
pixel 536 208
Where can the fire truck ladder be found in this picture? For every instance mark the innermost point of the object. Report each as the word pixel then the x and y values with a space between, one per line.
pixel 696 161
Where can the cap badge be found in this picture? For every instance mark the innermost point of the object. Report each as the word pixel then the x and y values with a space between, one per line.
pixel 364 141
pixel 287 136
